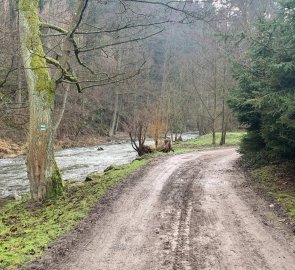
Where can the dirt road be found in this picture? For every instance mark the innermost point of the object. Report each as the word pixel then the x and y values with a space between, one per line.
pixel 189 211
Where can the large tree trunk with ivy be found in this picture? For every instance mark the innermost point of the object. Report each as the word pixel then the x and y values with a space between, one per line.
pixel 45 179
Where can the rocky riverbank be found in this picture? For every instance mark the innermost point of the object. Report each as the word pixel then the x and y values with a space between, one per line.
pixel 10 148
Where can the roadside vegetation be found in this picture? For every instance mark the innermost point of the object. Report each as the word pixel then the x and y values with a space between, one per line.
pixel 264 98
pixel 277 181
pixel 205 142
pixel 26 228
pixel 264 102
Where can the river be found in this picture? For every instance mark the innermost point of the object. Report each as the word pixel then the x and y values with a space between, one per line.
pixel 74 163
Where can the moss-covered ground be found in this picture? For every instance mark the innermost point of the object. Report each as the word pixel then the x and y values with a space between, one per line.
pixel 278 182
pixel 26 228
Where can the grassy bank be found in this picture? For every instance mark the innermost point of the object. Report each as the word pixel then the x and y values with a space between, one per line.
pixel 26 229
pixel 278 182
pixel 205 142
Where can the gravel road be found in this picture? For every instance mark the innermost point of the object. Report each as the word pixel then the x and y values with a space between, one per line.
pixel 189 211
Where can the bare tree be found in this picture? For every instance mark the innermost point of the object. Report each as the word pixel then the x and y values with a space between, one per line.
pixel 46 69
pixel 137 128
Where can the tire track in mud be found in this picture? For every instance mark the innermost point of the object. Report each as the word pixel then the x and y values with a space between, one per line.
pixel 226 233
pixel 182 259
pixel 179 195
pixel 182 212
pixel 182 250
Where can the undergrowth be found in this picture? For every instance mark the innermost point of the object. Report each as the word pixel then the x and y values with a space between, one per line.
pixel 278 181
pixel 272 173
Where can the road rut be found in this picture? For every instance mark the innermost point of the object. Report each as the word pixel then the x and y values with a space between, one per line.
pixel 186 212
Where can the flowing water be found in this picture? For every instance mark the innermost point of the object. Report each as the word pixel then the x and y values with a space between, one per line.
pixel 74 163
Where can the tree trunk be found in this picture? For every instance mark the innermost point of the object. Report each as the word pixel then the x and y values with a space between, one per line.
pixel 18 95
pixel 117 121
pixel 215 104
pixel 63 108
pixel 213 133
pixel 223 125
pixel 45 179
pixel 115 114
pixel 112 131
pixel 223 136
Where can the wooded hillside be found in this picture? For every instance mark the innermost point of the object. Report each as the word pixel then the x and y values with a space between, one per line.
pixel 175 63
pixel 182 69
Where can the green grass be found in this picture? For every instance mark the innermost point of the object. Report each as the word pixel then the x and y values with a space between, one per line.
pixel 205 141
pixel 180 149
pixel 278 181
pixel 25 230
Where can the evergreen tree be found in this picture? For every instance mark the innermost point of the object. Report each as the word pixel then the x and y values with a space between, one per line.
pixel 264 99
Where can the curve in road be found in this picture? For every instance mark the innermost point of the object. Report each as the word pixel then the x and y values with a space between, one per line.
pixel 189 211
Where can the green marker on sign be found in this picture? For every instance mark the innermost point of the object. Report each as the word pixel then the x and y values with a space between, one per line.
pixel 42 127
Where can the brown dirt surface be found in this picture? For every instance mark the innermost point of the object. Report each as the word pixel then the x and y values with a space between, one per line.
pixel 186 212
pixel 8 148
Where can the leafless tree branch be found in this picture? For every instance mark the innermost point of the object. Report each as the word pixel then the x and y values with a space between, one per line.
pixel 11 69
pixel 120 42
